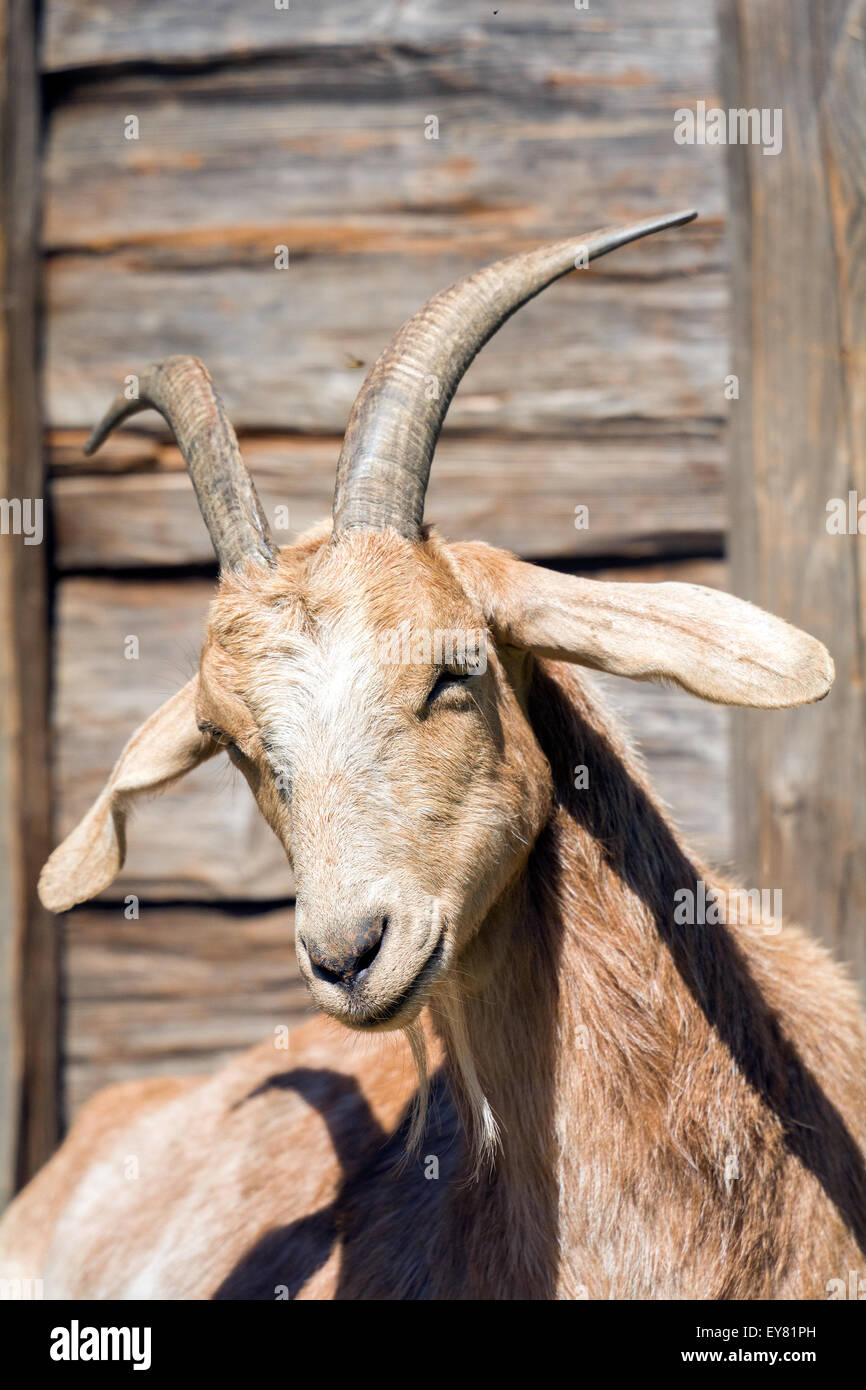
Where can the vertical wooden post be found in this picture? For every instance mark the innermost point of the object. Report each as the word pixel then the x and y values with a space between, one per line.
pixel 28 958
pixel 798 440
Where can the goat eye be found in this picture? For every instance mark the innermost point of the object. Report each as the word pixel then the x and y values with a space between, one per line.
pixel 222 739
pixel 447 680
pixel 211 731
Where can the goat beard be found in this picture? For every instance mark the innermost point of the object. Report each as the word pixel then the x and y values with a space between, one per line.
pixel 474 1109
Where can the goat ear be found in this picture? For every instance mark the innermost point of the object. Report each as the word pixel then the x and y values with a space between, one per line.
pixel 166 746
pixel 718 647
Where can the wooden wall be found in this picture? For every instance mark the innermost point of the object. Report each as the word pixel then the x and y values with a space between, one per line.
pixel 799 441
pixel 305 128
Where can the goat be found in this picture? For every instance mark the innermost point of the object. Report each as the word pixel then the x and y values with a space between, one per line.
pixel 619 1104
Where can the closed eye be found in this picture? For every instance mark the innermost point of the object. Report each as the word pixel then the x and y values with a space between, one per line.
pixel 221 738
pixel 448 680
pixel 211 730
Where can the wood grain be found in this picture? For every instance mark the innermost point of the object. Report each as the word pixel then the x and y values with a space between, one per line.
pixel 798 439
pixel 85 33
pixel 226 165
pixel 307 129
pixel 282 346
pixel 645 496
pixel 28 958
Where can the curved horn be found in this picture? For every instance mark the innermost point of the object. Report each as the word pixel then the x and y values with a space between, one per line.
pixel 393 428
pixel 180 388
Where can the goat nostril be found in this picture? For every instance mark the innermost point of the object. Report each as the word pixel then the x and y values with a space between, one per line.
pixel 374 934
pixel 347 967
pixel 323 967
pixel 332 974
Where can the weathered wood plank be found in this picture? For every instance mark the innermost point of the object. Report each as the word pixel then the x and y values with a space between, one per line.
pixel 645 497
pixel 551 121
pixel 282 346
pixel 174 993
pixel 798 440
pixel 215 177
pixel 28 964
pixel 204 839
pixel 83 33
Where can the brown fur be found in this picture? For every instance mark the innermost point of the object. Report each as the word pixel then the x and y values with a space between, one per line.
pixel 681 1108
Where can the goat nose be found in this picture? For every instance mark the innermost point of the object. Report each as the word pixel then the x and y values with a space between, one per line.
pixel 348 962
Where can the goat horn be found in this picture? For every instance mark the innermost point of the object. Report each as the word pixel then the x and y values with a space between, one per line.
pixel 394 425
pixel 180 388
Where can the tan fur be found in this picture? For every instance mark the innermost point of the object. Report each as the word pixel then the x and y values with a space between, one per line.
pixel 680 1109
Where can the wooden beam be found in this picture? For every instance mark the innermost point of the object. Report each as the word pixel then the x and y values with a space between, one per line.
pixel 28 958
pixel 86 34
pixel 595 353
pixel 645 496
pixel 798 440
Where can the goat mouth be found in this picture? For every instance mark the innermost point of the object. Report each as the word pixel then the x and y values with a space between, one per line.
pixel 381 1017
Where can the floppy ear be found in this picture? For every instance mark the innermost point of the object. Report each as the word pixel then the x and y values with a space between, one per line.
pixel 710 643
pixel 166 746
